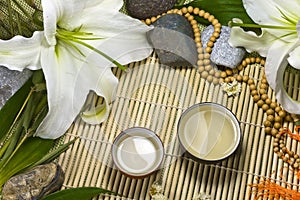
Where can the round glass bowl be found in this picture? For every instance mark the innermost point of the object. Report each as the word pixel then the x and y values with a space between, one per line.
pixel 137 152
pixel 209 132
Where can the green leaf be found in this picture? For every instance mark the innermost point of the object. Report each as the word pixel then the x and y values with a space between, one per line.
pixel 12 107
pixel 55 153
pixel 83 193
pixel 31 151
pixel 223 10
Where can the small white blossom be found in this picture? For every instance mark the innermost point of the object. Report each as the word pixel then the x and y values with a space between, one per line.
pixel 233 88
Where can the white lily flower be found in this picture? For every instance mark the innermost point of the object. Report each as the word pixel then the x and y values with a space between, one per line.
pixel 80 43
pixel 279 42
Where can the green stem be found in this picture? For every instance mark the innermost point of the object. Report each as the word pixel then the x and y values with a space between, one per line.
pixel 232 24
pixel 77 37
pixel 102 54
pixel 21 110
pixel 14 152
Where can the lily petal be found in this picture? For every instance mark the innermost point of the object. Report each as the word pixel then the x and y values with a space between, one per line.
pixel 105 87
pixel 60 70
pixel 19 52
pixel 250 41
pixel 269 12
pixel 276 64
pixel 52 11
pixel 294 57
pixel 262 11
pixel 69 80
pixel 73 61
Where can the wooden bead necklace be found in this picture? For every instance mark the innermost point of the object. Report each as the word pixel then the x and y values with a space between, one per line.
pixel 275 114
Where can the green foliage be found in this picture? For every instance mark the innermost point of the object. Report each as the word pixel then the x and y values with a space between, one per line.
pixel 223 10
pixel 22 114
pixel 84 193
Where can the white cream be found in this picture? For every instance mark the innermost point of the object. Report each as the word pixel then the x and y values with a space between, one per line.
pixel 208 133
pixel 137 154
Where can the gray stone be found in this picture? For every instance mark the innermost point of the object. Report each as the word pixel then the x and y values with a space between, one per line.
pixel 143 9
pixel 34 184
pixel 10 82
pixel 222 53
pixel 172 39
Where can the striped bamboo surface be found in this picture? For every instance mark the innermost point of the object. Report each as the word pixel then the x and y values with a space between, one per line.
pixel 154 96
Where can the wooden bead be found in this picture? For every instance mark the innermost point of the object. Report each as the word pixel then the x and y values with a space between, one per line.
pixel 200 63
pixel 209 78
pixel 212 72
pixel 223 74
pixel 210 44
pixel 277 125
pixel 201 13
pixel 248 61
pixel 265 107
pixel 268 130
pixel 215 80
pixel 184 10
pixel 148 21
pixel 245 78
pixel 277 119
pixel 282 113
pixel 239 78
pixel 228 72
pixel 256 98
pixel 217 74
pixel 252 87
pixel 250 82
pixel 262 91
pixel 227 80
pixel 190 9
pixel 204 74
pixel 274 132
pixel 273 105
pixel 263 86
pixel 240 67
pixel 206 62
pixel 270 118
pixel 257 60
pixel 153 19
pixel 277 109
pixel 216 34
pixel 267 123
pixel 254 92
pixel 212 39
pixel 264 81
pixel 206 15
pixel 268 101
pixel 215 22
pixel 196 11
pixel 208 49
pixel 201 69
pixel 190 18
pixel 270 112
pixel 276 149
pixel 211 18
pixel 260 103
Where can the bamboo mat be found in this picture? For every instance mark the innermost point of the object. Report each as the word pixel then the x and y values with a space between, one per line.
pixel 154 96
